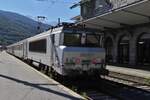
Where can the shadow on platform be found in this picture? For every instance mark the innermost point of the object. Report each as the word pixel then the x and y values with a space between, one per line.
pixel 40 87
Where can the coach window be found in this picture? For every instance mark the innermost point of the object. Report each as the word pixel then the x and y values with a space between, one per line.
pixel 38 46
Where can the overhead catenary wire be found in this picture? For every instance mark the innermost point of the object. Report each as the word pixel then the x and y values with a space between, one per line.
pixel 52 3
pixel 58 1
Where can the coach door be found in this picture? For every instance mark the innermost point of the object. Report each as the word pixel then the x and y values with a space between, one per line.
pixel 25 49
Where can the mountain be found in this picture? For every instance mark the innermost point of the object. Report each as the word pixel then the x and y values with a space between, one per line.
pixel 15 27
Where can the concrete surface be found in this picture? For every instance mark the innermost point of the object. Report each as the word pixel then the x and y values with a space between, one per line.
pixel 18 81
pixel 129 71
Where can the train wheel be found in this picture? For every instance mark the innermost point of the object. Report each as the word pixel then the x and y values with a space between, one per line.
pixel 29 61
pixel 41 67
pixel 47 70
pixel 51 72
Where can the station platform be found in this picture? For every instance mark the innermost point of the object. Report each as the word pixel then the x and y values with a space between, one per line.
pixel 19 81
pixel 129 71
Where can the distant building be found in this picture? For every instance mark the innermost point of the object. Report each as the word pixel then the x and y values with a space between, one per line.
pixel 126 25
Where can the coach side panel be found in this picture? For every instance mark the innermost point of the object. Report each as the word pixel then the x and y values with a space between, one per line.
pixel 39 50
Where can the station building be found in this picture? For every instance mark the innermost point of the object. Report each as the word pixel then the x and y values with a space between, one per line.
pixel 126 28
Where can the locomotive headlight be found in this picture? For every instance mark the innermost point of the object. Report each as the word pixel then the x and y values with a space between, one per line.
pixel 62 47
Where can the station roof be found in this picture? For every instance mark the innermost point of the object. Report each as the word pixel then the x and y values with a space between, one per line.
pixel 133 14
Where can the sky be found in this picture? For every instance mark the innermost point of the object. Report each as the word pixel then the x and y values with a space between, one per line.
pixel 52 9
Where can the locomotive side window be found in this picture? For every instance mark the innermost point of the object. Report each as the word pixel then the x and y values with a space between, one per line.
pixel 38 46
pixel 72 39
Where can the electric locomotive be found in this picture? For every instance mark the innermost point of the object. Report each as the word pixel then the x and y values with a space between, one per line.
pixel 67 49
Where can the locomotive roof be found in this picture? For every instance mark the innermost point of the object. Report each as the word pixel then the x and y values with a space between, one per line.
pixel 59 29
pixel 46 33
pixel 80 30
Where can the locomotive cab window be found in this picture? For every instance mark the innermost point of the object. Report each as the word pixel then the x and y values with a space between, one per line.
pixel 92 40
pixel 72 39
pixel 81 40
pixel 38 46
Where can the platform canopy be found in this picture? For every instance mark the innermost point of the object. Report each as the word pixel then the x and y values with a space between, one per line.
pixel 133 14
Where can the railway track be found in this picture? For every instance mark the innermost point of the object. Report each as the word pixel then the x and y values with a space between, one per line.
pixel 88 88
pixel 97 95
pixel 129 83
pixel 107 88
pixel 124 91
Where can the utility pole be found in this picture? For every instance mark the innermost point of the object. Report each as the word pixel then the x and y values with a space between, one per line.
pixel 40 20
pixel 59 21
